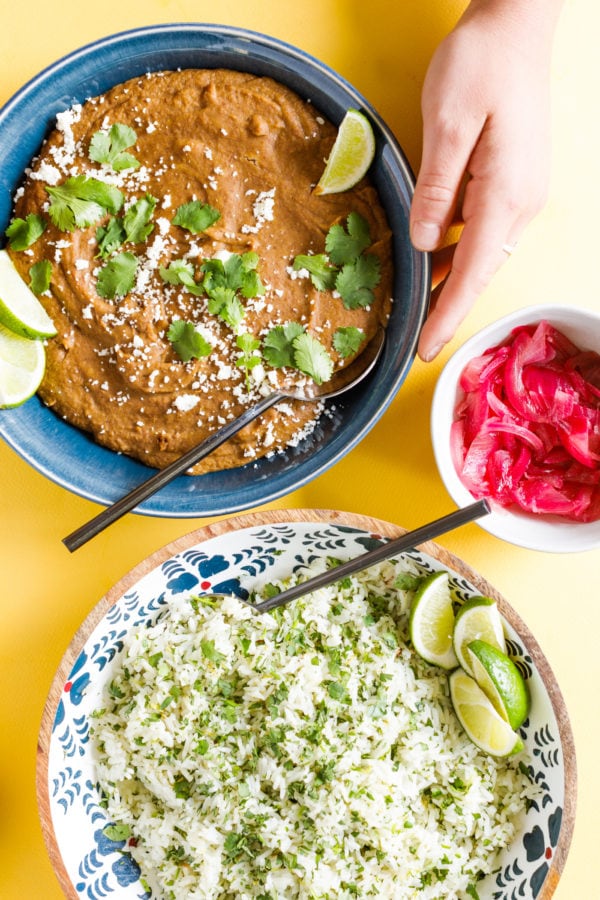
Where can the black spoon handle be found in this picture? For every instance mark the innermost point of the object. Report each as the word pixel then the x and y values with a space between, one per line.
pixel 391 548
pixel 153 484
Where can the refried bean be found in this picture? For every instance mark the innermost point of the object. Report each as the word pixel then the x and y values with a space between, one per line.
pixel 251 150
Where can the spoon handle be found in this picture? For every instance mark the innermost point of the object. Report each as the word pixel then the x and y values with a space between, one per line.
pixel 391 548
pixel 153 484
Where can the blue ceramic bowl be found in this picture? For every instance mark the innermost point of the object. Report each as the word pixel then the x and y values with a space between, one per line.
pixel 68 456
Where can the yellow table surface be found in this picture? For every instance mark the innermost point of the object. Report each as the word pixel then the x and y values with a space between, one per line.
pixel 382 47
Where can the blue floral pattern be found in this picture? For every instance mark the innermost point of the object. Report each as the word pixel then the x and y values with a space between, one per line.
pixel 236 563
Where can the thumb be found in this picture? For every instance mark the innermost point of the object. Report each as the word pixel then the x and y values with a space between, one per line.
pixel 439 185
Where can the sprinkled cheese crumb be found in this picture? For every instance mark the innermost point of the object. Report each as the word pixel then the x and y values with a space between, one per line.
pixel 262 210
pixel 185 402
pixel 47 173
pixel 224 372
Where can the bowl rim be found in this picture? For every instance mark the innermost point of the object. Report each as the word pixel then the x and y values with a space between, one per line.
pixel 345 521
pixel 184 498
pixel 545 534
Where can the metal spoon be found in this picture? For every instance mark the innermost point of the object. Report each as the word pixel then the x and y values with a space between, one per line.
pixel 342 381
pixel 391 548
pixel 387 550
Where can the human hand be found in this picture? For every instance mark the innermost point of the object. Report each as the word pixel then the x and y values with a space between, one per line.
pixel 486 150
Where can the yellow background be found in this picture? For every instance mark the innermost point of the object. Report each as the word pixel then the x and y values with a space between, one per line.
pixel 382 47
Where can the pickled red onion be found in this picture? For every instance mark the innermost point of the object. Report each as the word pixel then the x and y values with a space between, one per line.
pixel 527 429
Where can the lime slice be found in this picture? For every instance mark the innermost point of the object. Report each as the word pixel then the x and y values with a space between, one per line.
pixel 351 154
pixel 432 621
pixel 20 309
pixel 477 620
pixel 500 679
pixel 477 715
pixel 22 364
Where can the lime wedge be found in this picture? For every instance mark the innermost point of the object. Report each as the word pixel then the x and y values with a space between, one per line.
pixel 351 154
pixel 431 622
pixel 477 619
pixel 477 715
pixel 22 364
pixel 500 679
pixel 20 309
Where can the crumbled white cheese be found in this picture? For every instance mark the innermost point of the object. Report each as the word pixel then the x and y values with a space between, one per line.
pixel 262 210
pixel 47 173
pixel 185 402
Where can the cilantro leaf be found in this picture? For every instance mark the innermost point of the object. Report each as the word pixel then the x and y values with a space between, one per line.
pixel 311 357
pixel 248 344
pixel 346 246
pixel 22 233
pixel 229 274
pixel 336 690
pixel 182 788
pixel 117 277
pixel 179 271
pixel 209 651
pixel 406 582
pixel 250 283
pixel 134 226
pixel 278 345
pixel 235 273
pixel 322 273
pixel 249 357
pixel 80 201
pixel 109 147
pixel 110 236
pixel 136 220
pixel 186 341
pixel 40 274
pixel 223 279
pixel 224 303
pixel 214 274
pixel 347 340
pixel 196 216
pixel 117 832
pixel 356 281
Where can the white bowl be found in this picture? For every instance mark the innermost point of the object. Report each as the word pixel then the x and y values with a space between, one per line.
pixel 547 533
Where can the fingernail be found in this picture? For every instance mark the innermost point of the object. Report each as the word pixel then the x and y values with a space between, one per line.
pixel 432 353
pixel 425 235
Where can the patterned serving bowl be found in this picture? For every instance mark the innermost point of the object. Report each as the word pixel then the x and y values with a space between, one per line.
pixel 68 456
pixel 232 557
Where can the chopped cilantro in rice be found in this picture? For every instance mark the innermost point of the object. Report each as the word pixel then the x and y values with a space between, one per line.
pixel 307 753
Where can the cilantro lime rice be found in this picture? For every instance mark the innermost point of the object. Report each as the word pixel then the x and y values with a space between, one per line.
pixel 307 753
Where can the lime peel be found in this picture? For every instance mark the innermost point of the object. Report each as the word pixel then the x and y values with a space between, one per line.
pixel 477 619
pixel 431 622
pixel 22 366
pixel 501 680
pixel 484 726
pixel 352 153
pixel 20 310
